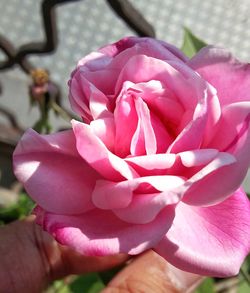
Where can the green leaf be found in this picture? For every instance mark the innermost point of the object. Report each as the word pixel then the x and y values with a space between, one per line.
pixel 191 44
pixel 207 286
pixel 107 276
pixel 243 288
pixel 89 283
pixel 18 210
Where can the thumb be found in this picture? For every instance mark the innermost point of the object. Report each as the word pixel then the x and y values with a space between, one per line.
pixel 151 273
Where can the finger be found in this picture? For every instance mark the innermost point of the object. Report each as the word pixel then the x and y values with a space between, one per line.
pixel 151 273
pixel 76 263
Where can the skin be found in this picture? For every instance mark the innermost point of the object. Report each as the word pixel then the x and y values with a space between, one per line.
pixel 31 259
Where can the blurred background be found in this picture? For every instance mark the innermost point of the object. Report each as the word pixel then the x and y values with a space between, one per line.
pixel 78 27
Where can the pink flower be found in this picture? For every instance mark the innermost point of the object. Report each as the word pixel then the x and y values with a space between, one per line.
pixel 157 161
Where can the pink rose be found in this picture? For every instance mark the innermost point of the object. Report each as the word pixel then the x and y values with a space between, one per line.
pixel 156 162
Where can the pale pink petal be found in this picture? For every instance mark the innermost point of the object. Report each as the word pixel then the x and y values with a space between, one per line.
pixel 105 129
pixel 100 232
pixel 229 76
pixel 152 162
pixel 234 117
pixel 117 195
pixel 228 178
pixel 191 136
pixel 145 126
pixel 197 157
pixel 113 195
pixel 145 207
pixel 213 183
pixel 146 46
pixel 93 150
pixel 86 99
pixel 126 121
pixel 104 80
pixel 209 241
pixel 137 147
pixel 162 137
pixel 141 68
pixel 78 98
pixel 53 173
pixel 94 61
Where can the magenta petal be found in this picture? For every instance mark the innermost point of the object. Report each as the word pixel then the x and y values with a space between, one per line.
pixel 53 173
pixel 209 241
pixel 93 150
pixel 230 77
pixel 100 232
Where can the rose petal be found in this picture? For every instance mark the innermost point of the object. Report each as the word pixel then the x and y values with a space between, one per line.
pixel 125 121
pixel 213 183
pixel 113 195
pixel 234 117
pixel 147 46
pixel 144 208
pixel 209 241
pixel 94 61
pixel 92 149
pixel 86 99
pixel 105 129
pixel 141 68
pixel 100 232
pixel 53 173
pixel 229 76
pixel 156 164
pixel 144 139
pixel 191 136
pixel 197 157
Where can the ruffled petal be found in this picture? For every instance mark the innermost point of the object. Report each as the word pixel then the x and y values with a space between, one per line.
pixel 118 195
pixel 144 140
pixel 86 99
pixel 146 46
pixel 191 136
pixel 235 117
pixel 53 173
pixel 156 164
pixel 209 241
pixel 93 150
pixel 126 120
pixel 213 183
pixel 100 232
pixel 141 68
pixel 105 130
pixel 229 76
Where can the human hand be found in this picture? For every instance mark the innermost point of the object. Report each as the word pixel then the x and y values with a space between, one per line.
pixel 31 259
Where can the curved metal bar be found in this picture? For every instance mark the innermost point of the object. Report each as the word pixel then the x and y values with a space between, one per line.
pixel 46 46
pixel 132 17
